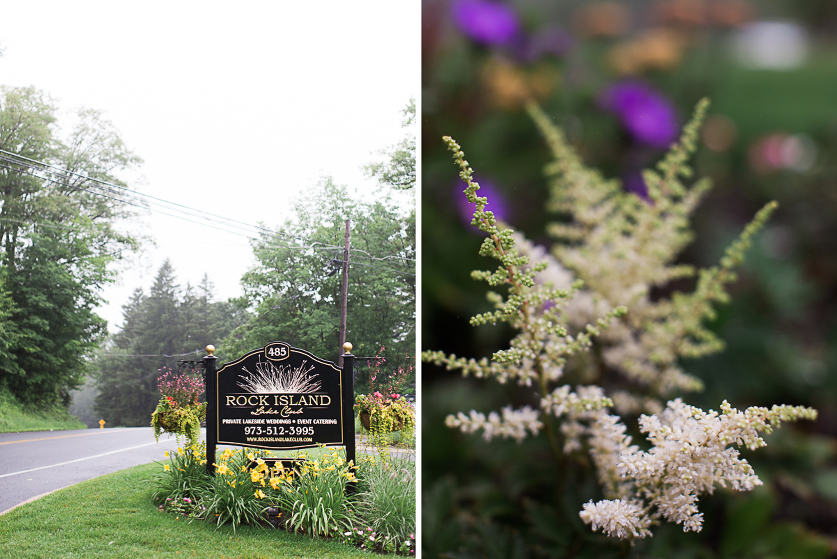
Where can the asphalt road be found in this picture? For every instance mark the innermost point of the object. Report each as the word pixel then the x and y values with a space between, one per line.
pixel 36 463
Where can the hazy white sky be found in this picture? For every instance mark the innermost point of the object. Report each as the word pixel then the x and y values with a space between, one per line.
pixel 235 110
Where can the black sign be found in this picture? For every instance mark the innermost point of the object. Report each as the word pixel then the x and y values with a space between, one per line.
pixel 279 397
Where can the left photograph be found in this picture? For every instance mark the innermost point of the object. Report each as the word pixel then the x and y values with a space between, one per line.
pixel 208 279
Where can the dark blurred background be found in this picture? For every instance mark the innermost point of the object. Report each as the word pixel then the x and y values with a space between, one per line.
pixel 770 70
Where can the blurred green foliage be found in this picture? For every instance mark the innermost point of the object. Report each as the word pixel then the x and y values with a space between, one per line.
pixel 502 499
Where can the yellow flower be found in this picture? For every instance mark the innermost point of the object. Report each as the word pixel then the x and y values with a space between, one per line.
pixel 259 494
pixel 167 454
pixel 275 482
pixel 223 469
pixel 255 477
pixel 166 467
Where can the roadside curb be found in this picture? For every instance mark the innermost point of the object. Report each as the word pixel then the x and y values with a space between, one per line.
pixel 30 499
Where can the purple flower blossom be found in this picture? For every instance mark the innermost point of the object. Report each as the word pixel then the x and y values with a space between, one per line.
pixel 550 41
pixel 486 21
pixel 633 182
pixel 647 116
pixel 496 201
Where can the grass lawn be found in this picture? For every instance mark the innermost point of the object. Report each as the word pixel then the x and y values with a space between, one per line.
pixel 113 516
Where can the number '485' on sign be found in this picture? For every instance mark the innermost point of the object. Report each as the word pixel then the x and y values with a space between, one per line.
pixel 277 351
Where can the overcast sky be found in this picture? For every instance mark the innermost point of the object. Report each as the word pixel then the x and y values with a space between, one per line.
pixel 234 110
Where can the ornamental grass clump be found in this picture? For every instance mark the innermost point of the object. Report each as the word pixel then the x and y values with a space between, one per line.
pixel 179 410
pixel 183 477
pixel 388 492
pixel 594 345
pixel 317 503
pixel 236 494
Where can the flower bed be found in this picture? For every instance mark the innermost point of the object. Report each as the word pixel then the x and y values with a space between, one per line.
pixel 378 515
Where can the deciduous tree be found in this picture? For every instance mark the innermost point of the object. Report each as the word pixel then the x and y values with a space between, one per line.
pixel 59 240
pixel 294 289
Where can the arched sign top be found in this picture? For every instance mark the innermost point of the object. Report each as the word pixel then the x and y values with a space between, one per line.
pixel 274 352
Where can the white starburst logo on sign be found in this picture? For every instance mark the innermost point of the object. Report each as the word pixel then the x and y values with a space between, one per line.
pixel 282 379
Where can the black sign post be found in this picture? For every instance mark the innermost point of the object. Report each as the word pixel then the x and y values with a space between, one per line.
pixel 348 379
pixel 211 411
pixel 280 397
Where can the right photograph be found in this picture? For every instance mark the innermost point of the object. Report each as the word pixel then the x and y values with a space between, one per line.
pixel 629 279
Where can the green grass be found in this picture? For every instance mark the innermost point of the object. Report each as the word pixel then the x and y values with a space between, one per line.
pixel 113 516
pixel 16 417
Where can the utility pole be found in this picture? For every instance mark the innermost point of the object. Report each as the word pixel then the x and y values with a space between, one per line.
pixel 344 296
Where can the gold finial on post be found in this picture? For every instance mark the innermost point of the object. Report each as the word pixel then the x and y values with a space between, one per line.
pixel 347 347
pixel 210 349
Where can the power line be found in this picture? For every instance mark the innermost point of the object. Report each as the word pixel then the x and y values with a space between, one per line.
pixel 196 352
pixel 52 169
pixel 138 199
pixel 382 268
pixel 39 224
pixel 214 225
pixel 381 258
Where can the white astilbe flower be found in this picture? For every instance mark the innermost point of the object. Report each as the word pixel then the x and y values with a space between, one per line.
pixel 522 373
pixel 572 431
pixel 554 275
pixel 614 249
pixel 514 424
pixel 618 519
pixel 608 442
pixel 689 456
pixel 627 403
pixel 563 401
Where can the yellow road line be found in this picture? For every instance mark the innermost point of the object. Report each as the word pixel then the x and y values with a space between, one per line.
pixel 59 437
